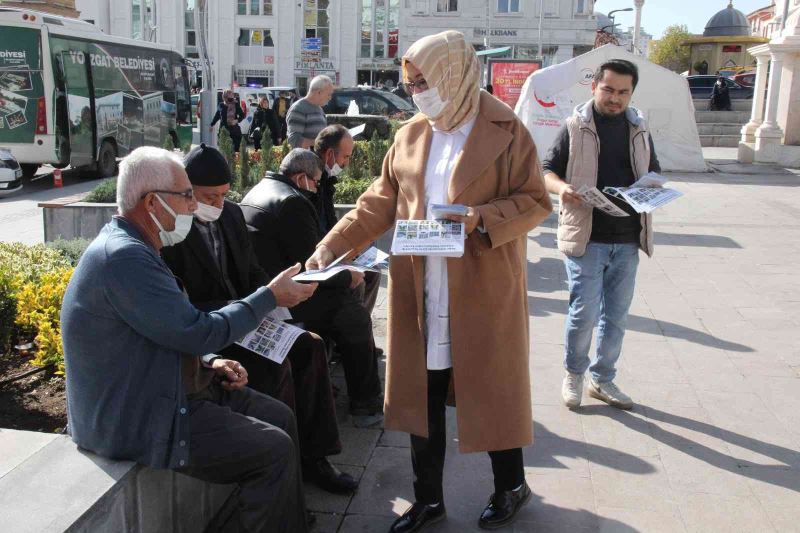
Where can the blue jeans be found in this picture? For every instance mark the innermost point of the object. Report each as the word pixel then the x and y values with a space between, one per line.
pixel 601 284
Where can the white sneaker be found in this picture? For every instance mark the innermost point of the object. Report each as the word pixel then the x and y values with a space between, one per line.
pixel 610 393
pixel 572 389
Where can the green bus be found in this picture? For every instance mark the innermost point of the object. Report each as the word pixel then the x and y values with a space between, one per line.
pixel 72 95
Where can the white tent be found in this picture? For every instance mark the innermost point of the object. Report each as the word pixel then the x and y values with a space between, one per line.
pixel 550 95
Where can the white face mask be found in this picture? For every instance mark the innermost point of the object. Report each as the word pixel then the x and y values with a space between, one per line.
pixel 207 213
pixel 183 224
pixel 429 103
pixel 335 171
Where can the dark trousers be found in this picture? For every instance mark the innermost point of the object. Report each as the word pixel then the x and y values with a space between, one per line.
pixel 338 313
pixel 427 455
pixel 368 291
pixel 250 439
pixel 303 383
pixel 236 136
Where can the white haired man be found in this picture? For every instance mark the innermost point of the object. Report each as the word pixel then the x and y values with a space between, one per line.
pixel 143 383
pixel 306 118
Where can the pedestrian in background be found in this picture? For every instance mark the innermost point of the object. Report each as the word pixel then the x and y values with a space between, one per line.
pixel 264 118
pixel 306 118
pixel 231 114
pixel 720 96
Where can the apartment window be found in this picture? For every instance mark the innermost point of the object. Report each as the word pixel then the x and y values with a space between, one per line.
pixel 266 8
pixel 380 20
pixel 191 39
pixel 316 23
pixel 241 7
pixel 508 6
pixel 136 19
pixel 257 38
pixel 446 6
pixel 420 7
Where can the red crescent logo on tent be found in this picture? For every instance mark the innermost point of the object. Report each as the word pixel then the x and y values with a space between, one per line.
pixel 542 102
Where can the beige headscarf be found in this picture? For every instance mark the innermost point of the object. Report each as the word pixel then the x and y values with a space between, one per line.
pixel 448 62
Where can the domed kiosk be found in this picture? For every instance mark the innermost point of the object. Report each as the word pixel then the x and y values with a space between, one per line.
pixel 728 22
pixel 723 44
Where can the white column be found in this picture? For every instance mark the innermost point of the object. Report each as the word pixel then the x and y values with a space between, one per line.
pixel 769 134
pixel 770 124
pixel 759 90
pixel 637 28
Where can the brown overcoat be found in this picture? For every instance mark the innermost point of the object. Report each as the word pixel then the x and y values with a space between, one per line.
pixel 498 174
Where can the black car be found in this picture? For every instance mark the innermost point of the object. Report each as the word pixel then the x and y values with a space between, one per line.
pixel 703 85
pixel 370 102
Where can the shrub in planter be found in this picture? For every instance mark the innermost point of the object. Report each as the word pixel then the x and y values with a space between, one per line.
pixel 104 193
pixel 71 249
pixel 348 190
pixel 39 311
pixel 20 266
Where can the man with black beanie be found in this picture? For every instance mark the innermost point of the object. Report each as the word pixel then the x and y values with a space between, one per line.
pixel 215 264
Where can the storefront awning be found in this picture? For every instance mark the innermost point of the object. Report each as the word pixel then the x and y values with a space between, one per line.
pixel 494 51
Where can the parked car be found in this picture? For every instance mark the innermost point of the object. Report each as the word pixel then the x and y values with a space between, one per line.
pixel 745 79
pixel 370 102
pixel 702 86
pixel 10 173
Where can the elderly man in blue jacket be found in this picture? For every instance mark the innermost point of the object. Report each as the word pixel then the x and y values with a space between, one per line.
pixel 142 381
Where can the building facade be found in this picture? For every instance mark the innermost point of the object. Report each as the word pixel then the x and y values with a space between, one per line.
pixel 287 42
pixel 760 21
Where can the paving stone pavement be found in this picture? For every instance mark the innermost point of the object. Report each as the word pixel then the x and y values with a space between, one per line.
pixel 711 357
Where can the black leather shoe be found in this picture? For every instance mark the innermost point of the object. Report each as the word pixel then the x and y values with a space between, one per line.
pixel 416 518
pixel 503 507
pixel 327 477
pixel 371 407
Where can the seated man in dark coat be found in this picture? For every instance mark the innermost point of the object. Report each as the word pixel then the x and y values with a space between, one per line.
pixel 216 264
pixel 334 145
pixel 284 227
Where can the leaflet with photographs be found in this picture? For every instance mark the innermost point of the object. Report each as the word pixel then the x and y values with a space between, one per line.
pixel 439 238
pixel 273 338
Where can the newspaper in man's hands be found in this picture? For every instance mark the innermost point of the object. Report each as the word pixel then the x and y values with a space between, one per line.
pixel 592 196
pixel 647 194
pixel 273 338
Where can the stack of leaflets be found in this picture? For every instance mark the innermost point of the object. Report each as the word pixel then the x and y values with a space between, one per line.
pixel 437 238
pixel 273 338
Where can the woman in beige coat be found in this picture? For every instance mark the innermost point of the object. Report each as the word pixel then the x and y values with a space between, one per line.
pixel 458 323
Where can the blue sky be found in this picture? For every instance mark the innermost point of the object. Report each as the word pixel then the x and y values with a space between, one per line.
pixel 658 14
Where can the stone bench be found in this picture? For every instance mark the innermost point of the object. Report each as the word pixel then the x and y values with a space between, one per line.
pixel 48 485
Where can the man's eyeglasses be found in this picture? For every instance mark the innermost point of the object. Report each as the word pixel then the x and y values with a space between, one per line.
pixel 187 194
pixel 419 85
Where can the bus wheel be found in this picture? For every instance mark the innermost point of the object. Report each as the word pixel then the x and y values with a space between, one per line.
pixel 29 170
pixel 107 160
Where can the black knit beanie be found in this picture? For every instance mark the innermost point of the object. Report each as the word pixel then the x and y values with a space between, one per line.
pixel 205 165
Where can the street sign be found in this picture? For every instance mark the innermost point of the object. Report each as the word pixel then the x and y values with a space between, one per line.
pixel 311 44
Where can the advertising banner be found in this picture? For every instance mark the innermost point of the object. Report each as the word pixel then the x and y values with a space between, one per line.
pixel 20 83
pixel 508 75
